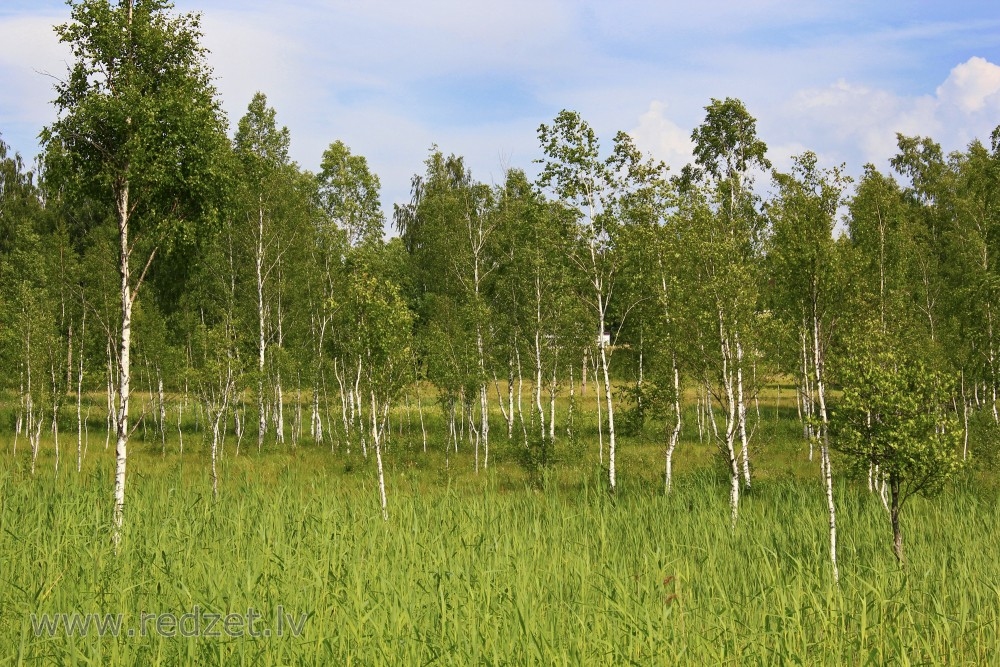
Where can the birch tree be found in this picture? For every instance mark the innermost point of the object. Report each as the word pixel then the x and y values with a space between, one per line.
pixel 653 319
pixel 27 313
pixel 726 242
pixel 575 172
pixel 805 275
pixel 262 150
pixel 450 232
pixel 352 217
pixel 138 127
pixel 542 322
pixel 375 327
pixel 896 414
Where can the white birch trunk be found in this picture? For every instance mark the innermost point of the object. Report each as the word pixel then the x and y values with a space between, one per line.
pixel 699 417
pixel 420 411
pixel 711 411
pixel 180 430
pixel 520 394
pixel 572 402
pixel 600 418
pixel 731 419
pixel 377 440
pixel 112 398
pixel 676 433
pixel 965 421
pixel 163 411
pixel 19 417
pixel 510 398
pixel 124 366
pixel 357 400
pixel 261 339
pixel 552 404
pixel 741 413
pixel 79 397
pixel 280 412
pixel 612 479
pixel 215 449
pixel 484 428
pixel 297 424
pixel 538 383
pixel 825 445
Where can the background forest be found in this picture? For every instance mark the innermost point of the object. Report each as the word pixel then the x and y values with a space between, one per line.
pixel 181 287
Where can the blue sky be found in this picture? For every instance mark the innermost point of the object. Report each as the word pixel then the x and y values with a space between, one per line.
pixel 390 78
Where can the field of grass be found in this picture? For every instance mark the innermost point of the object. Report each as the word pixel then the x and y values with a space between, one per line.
pixel 522 564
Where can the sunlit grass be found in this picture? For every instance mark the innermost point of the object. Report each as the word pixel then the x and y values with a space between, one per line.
pixel 515 565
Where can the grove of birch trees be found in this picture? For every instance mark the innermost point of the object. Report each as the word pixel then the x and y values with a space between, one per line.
pixel 183 268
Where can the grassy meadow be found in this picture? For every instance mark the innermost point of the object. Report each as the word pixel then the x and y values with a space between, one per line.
pixel 530 562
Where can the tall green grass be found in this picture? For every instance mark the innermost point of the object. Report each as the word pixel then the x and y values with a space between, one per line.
pixel 494 568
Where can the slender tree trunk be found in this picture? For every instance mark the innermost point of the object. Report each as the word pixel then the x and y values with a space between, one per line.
pixel 897 533
pixel 741 413
pixel 832 508
pixel 572 402
pixel 699 416
pixel 112 420
pixel 19 417
pixel 484 420
pixel 163 411
pixel 420 411
pixel 452 431
pixel 377 440
pixel 510 397
pixel 261 340
pixel 805 411
pixel 520 394
pixel 239 425
pixel 343 405
pixel 297 424
pixel 538 382
pixel 79 396
pixel 56 399
pixel 602 347
pixel 676 433
pixel 600 417
pixel 731 419
pixel 474 436
pixel 215 455
pixel 825 444
pixel 711 411
pixel 124 366
pixel 34 433
pixel 508 416
pixel 965 421
pixel 552 401
pixel 279 420
pixel 180 430
pixel 357 401
pixel 34 426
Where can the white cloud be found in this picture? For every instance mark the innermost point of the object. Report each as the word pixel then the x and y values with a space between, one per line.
pixel 846 116
pixel 972 86
pixel 662 137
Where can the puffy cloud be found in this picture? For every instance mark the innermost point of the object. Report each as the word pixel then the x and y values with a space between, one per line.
pixel 972 86
pixel 662 137
pixel 852 120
